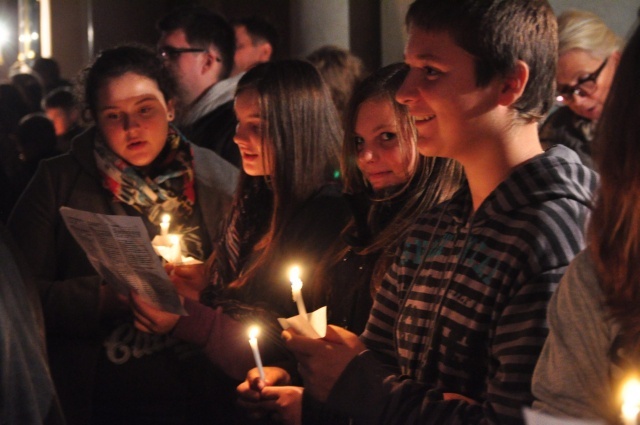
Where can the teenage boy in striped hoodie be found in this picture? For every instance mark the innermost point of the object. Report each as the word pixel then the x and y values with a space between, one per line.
pixel 458 324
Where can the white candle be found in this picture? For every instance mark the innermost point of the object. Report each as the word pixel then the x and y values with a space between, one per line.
pixel 164 224
pixel 630 401
pixel 176 251
pixel 253 342
pixel 296 290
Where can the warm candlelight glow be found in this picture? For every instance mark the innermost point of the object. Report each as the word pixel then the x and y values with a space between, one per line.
pixel 254 331
pixel 164 224
pixel 630 401
pixel 296 290
pixel 294 275
pixel 176 249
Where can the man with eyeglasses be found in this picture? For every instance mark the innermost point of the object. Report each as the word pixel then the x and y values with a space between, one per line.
pixel 588 54
pixel 197 46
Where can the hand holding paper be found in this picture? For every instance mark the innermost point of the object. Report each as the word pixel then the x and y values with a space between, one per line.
pixel 118 248
pixel 150 319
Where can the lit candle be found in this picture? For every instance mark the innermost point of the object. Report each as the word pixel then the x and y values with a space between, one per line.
pixel 176 251
pixel 296 290
pixel 630 401
pixel 253 342
pixel 164 224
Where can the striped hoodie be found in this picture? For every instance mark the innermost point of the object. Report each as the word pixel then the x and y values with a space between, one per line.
pixel 463 308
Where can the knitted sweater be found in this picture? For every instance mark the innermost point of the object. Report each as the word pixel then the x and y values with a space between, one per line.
pixel 462 310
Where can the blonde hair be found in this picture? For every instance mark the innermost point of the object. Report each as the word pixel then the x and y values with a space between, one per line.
pixel 579 29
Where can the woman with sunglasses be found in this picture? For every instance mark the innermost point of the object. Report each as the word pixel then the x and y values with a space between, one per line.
pixel 588 55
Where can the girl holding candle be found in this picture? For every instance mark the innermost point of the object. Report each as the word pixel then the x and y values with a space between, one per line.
pixel 131 162
pixel 594 317
pixel 288 210
pixel 387 183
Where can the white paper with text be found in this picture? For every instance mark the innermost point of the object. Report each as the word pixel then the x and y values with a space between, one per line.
pixel 119 249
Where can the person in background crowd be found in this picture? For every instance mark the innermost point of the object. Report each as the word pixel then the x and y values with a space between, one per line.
pixel 27 393
pixel 341 70
pixel 594 337
pixel 588 55
pixel 197 47
pixel 49 72
pixel 460 317
pixel 388 185
pixel 288 210
pixel 61 107
pixel 13 107
pixel 30 88
pixel 134 163
pixel 36 140
pixel 256 42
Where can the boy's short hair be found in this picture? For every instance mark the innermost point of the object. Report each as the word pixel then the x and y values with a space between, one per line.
pixel 203 27
pixel 61 97
pixel 259 30
pixel 498 33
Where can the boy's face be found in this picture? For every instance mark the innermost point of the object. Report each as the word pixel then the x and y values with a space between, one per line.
pixel 452 114
pixel 63 120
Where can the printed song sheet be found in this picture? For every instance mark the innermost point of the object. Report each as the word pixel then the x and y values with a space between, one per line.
pixel 120 251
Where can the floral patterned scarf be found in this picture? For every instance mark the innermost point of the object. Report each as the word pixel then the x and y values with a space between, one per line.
pixel 170 190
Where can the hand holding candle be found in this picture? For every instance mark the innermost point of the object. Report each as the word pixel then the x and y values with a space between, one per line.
pixel 296 289
pixel 630 401
pixel 253 342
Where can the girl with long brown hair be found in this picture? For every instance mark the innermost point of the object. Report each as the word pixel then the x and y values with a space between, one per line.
pixel 287 210
pixel 388 185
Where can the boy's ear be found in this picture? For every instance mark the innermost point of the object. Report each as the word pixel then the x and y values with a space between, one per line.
pixel 514 84
pixel 265 51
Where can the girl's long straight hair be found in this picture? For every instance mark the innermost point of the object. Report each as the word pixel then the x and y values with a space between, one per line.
pixel 614 230
pixel 302 137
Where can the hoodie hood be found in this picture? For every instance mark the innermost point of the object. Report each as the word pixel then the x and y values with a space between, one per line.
pixel 557 173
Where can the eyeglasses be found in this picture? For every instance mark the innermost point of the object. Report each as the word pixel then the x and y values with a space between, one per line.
pixel 172 53
pixel 585 87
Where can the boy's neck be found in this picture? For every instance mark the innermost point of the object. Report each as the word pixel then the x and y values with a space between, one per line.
pixel 485 170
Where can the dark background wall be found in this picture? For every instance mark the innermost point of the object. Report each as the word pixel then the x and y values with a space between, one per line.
pixel 81 28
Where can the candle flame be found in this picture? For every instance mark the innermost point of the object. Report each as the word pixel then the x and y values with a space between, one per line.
pixel 166 218
pixel 294 273
pixel 254 331
pixel 631 393
pixel 630 400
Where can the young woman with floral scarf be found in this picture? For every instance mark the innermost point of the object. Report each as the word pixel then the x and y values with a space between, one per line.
pixel 132 162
